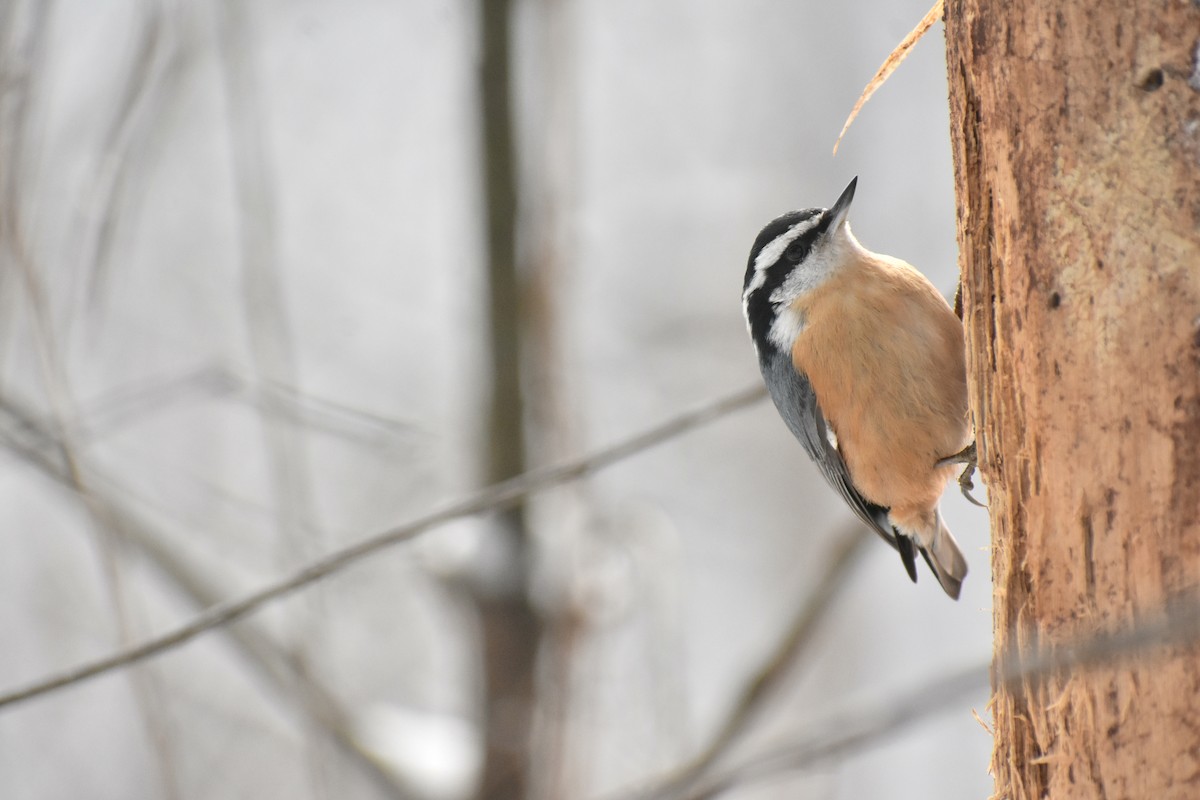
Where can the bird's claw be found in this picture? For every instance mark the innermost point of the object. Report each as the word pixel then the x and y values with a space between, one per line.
pixel 965 484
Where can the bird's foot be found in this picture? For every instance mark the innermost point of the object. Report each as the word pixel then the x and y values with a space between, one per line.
pixel 965 484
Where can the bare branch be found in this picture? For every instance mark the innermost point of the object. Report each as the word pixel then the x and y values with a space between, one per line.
pixel 854 727
pixel 314 699
pixel 263 295
pixel 129 404
pixel 768 680
pixel 15 189
pixel 141 95
pixel 497 496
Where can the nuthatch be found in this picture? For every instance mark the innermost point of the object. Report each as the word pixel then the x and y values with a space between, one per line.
pixel 866 363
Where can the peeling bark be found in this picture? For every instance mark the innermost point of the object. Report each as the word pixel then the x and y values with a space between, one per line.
pixel 1076 137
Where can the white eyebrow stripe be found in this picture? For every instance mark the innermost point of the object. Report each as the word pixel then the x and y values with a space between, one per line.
pixel 789 325
pixel 771 252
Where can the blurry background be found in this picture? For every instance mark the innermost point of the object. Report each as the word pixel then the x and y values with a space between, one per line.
pixel 251 311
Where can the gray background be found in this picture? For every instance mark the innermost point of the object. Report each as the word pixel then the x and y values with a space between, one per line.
pixel 688 125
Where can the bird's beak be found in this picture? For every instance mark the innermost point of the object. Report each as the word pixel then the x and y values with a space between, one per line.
pixel 837 214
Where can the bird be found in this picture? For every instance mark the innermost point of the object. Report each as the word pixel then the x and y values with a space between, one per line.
pixel 866 363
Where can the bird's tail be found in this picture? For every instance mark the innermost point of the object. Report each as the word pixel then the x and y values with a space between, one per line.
pixel 945 559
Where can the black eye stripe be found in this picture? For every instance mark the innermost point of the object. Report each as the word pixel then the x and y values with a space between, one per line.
pixel 759 313
pixel 797 250
pixel 773 230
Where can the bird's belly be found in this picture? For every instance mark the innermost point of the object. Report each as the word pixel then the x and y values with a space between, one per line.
pixel 891 426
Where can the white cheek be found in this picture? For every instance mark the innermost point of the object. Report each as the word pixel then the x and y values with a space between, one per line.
pixel 788 324
pixel 774 251
pixel 817 269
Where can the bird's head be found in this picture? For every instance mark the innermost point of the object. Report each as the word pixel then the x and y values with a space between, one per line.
pixel 793 255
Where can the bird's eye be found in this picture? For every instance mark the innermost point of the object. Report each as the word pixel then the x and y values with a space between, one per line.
pixel 795 251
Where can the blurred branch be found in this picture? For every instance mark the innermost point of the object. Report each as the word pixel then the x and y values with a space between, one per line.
pixel 494 497
pixel 17 192
pixel 263 294
pixel 130 404
pixel 298 529
pixel 142 93
pixel 314 699
pixel 550 164
pixel 23 35
pixel 850 728
pixel 854 727
pixel 510 628
pixel 766 683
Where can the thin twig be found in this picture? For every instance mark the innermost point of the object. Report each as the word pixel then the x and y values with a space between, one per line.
pixel 494 497
pixel 57 385
pixel 853 728
pixel 314 699
pixel 767 681
pixel 132 403
pixel 138 103
pixel 298 529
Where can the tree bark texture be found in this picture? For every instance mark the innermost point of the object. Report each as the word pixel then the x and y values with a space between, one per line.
pixel 1076 136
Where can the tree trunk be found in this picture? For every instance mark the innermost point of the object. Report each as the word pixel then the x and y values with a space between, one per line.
pixel 1076 136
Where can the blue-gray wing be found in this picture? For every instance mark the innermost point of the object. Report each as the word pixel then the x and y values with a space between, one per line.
pixel 797 403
